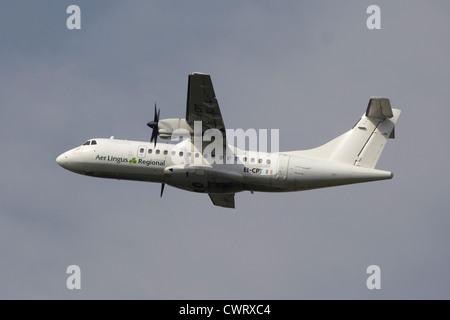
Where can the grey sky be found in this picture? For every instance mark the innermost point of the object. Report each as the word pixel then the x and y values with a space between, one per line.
pixel 307 68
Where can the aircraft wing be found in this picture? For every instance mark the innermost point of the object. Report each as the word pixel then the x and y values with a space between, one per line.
pixel 222 199
pixel 202 104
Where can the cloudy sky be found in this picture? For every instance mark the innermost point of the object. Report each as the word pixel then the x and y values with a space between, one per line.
pixel 307 68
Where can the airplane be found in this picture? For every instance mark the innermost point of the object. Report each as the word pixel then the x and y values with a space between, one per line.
pixel 222 170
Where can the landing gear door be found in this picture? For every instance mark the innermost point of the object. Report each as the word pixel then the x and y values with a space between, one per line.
pixel 283 162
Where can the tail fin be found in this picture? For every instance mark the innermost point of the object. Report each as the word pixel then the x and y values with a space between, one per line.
pixel 363 144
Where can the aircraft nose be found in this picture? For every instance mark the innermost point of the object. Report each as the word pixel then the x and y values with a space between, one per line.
pixel 62 159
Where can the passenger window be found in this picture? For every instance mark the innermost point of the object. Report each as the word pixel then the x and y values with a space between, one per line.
pixel 173 153
pixel 141 150
pixel 181 153
pixel 189 154
pixel 244 159
pixel 93 142
pixel 260 160
pixel 197 154
pixel 165 152
pixel 252 160
pixel 268 161
pixel 150 151
pixel 157 151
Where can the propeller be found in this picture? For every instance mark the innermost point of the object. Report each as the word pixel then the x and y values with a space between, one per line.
pixel 154 137
pixel 154 125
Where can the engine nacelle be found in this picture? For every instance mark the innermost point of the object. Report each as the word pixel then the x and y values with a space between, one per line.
pixel 167 126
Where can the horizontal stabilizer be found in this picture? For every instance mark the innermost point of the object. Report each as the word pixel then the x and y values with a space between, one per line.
pixel 379 108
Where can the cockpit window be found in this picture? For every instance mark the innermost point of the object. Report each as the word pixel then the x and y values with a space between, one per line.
pixel 90 142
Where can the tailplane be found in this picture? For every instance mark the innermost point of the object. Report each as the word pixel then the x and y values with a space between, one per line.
pixel 362 145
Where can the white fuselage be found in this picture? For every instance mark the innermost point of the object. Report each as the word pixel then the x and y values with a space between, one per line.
pixel 182 166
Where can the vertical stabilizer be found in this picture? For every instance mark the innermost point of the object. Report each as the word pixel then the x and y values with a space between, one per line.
pixel 363 144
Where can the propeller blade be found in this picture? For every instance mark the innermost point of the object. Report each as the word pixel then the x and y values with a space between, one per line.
pixel 154 125
pixel 162 189
pixel 154 135
pixel 156 138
